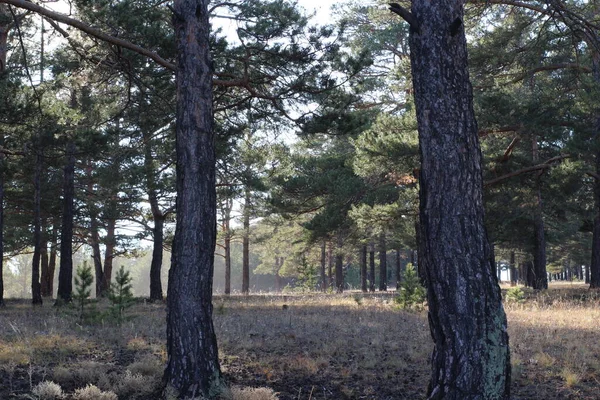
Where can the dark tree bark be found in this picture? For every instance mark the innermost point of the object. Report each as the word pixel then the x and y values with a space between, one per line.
pixel 398 269
pixel 540 280
pixel 513 269
pixel 52 260
pixel 339 265
pixel 5 25
pixel 44 261
pixel 372 268
pixel 530 274
pixel 36 286
pixel 156 291
pixel 94 239
pixel 193 362
pixel 471 358
pixel 109 251
pixel 363 268
pixel 330 264
pixel 382 264
pixel 65 272
pixel 246 244
pixel 227 243
pixel 323 265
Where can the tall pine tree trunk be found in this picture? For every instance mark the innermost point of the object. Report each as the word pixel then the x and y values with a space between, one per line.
pixel 363 269
pixel 323 265
pixel 36 286
pixel 471 358
pixel 109 251
pixel 227 242
pixel 65 272
pixel 372 268
pixel 339 266
pixel 156 291
pixel 5 25
pixel 193 360
pixel 45 261
pixel 540 280
pixel 94 239
pixel 330 264
pixel 246 244
pixel 382 264
pixel 594 274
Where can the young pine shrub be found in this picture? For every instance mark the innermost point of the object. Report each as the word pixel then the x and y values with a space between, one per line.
pixel 412 293
pixel 120 295
pixel 515 295
pixel 83 288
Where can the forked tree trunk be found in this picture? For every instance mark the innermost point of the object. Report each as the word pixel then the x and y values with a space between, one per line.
pixel 193 360
pixel 65 272
pixel 363 268
pixel 382 264
pixel 471 358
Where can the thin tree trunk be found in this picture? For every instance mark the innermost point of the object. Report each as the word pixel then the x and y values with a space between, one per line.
pixel 530 274
pixel 398 269
pixel 36 286
pixel 246 244
pixel 193 360
pixel 65 272
pixel 513 269
pixel 382 264
pixel 109 251
pixel 540 281
pixel 227 241
pixel 45 261
pixel 471 358
pixel 372 268
pixel 323 265
pixel 5 25
pixel 339 266
pixel 278 264
pixel 156 291
pixel 330 264
pixel 363 268
pixel 52 260
pixel 94 239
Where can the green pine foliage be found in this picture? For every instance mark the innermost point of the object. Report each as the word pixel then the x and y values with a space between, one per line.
pixel 412 293
pixel 120 295
pixel 83 288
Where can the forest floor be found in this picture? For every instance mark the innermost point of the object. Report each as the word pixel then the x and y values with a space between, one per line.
pixel 303 347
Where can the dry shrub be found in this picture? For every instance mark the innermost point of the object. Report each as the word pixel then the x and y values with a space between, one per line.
pixel 63 375
pixel 91 372
pixel 47 390
pixel 91 392
pixel 147 366
pixel 238 393
pixel 136 386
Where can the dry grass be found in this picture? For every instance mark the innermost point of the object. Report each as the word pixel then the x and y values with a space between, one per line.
pixel 316 347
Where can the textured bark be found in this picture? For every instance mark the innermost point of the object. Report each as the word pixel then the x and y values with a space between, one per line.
pixel 339 265
pixel 227 243
pixel 65 272
pixel 323 265
pixel 36 286
pixel 246 244
pixel 372 268
pixel 382 264
pixel 52 260
pixel 471 356
pixel 363 268
pixel 193 364
pixel 330 264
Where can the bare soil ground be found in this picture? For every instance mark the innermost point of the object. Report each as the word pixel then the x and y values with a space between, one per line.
pixel 350 346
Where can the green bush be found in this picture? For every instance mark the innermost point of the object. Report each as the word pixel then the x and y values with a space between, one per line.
pixel 120 295
pixel 515 295
pixel 83 288
pixel 412 293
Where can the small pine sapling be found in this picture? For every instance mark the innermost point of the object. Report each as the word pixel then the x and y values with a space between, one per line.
pixel 412 293
pixel 83 287
pixel 120 294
